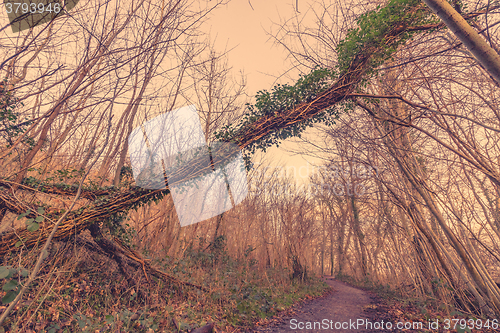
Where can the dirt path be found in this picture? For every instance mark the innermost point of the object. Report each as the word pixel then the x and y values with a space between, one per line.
pixel 337 312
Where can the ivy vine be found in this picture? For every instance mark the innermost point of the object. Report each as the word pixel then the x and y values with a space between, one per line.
pixel 372 34
pixel 11 125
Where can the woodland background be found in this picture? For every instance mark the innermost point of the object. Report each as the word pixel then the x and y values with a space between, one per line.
pixel 407 200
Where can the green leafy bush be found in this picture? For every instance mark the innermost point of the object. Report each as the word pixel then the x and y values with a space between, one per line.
pixel 12 277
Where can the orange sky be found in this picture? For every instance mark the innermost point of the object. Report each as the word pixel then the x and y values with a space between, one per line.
pixel 242 30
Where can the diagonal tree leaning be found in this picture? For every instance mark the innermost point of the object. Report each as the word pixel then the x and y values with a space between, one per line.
pixel 357 63
pixel 117 202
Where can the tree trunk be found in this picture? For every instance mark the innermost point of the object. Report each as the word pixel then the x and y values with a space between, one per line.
pixel 484 53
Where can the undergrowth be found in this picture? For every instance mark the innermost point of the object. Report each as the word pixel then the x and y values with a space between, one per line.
pixel 80 291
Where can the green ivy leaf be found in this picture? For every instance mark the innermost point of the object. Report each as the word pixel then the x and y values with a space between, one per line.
pixel 39 219
pixel 24 272
pixel 33 227
pixel 4 272
pixel 11 285
pixel 10 296
pixel 19 243
pixel 40 211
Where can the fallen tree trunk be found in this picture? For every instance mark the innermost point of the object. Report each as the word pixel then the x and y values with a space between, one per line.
pixel 110 203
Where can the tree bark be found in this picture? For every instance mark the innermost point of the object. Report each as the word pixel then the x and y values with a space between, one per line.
pixel 484 53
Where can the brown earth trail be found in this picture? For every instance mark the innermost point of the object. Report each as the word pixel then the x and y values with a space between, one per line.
pixel 344 306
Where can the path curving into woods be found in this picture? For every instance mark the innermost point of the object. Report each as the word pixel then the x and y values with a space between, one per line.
pixel 343 305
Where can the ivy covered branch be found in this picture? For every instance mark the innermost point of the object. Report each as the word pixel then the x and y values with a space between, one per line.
pixel 282 113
